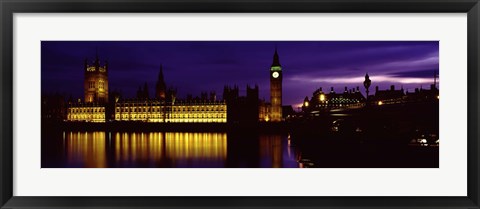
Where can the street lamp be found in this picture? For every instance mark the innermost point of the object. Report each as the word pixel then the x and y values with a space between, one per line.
pixel 367 84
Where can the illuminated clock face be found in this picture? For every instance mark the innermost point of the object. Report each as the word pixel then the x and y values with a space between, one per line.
pixel 275 74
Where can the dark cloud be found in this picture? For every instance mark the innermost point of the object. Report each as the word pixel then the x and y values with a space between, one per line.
pixel 416 74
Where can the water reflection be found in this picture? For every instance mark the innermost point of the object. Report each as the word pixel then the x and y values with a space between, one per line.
pixel 271 151
pixel 226 150
pixel 169 150
pixel 86 149
pixel 172 149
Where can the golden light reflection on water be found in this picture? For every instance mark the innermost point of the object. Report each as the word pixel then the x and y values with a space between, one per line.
pixel 87 149
pixel 196 146
pixel 271 150
pixel 155 149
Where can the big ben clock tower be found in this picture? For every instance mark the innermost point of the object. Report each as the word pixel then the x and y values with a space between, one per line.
pixel 276 89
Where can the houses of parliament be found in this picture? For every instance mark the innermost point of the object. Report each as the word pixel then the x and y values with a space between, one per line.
pixel 99 106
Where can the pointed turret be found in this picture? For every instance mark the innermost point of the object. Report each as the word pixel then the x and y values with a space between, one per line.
pixel 145 91
pixel 161 87
pixel 160 74
pixel 97 61
pixel 276 60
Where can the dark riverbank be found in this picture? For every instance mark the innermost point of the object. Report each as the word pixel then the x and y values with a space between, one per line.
pixel 379 124
pixel 170 127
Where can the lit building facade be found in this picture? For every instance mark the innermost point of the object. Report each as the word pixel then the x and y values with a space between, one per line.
pixel 163 109
pixel 152 111
pixel 86 112
pixel 167 112
pixel 96 82
pixel 264 111
pixel 350 98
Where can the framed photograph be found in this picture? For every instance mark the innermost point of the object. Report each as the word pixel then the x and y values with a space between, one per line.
pixel 238 104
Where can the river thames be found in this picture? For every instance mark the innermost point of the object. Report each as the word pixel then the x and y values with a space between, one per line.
pixel 104 149
pixel 167 150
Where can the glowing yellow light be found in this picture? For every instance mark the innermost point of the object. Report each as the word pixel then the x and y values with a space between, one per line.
pixel 267 118
pixel 438 97
pixel 306 103
pixel 380 103
pixel 322 97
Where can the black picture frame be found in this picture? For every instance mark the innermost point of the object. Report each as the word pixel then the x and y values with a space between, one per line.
pixel 9 7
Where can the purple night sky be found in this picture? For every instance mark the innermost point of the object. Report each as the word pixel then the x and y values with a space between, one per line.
pixel 196 66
